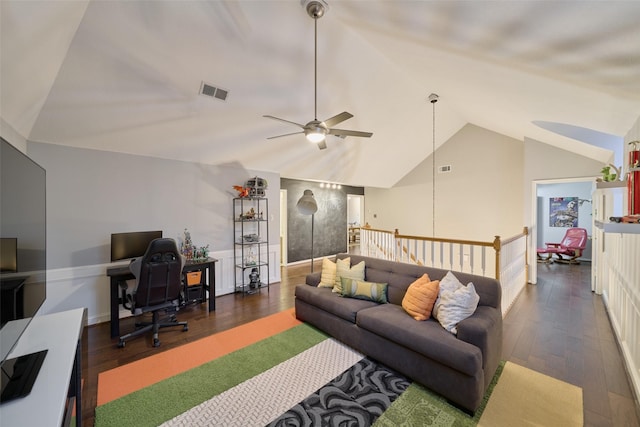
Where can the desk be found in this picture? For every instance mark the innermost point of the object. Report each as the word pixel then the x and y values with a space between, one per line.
pixel 122 273
pixel 50 402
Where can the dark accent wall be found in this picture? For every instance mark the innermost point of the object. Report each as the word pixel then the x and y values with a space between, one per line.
pixel 330 221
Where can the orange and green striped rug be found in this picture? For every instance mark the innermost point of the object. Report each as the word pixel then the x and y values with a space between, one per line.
pixel 279 371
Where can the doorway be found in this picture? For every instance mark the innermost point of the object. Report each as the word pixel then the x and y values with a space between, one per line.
pixel 355 219
pixel 283 227
pixel 541 231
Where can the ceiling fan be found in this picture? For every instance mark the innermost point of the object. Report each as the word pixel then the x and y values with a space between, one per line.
pixel 316 130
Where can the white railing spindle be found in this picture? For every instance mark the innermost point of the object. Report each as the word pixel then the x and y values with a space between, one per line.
pixel 509 256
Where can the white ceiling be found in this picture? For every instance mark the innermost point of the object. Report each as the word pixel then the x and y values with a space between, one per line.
pixel 125 75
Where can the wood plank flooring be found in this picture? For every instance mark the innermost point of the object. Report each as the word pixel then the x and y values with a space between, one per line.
pixel 557 327
pixel 560 328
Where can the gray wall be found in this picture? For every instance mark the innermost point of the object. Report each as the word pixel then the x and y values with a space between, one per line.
pixel 480 197
pixel 543 161
pixel 330 222
pixel 487 192
pixel 91 194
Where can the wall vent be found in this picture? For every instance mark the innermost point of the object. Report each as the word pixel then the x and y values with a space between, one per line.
pixel 444 169
pixel 213 91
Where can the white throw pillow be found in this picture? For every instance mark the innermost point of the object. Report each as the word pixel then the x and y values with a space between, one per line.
pixel 343 269
pixel 448 283
pixel 455 302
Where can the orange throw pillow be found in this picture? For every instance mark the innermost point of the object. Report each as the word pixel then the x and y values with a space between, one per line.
pixel 420 297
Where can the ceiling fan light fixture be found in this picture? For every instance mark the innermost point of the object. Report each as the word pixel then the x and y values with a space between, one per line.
pixel 314 136
pixel 316 131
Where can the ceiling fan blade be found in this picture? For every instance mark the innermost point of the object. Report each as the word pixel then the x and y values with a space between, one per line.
pixel 286 134
pixel 322 145
pixel 283 120
pixel 338 118
pixel 343 132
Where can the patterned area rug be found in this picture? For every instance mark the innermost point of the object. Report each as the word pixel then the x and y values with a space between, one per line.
pixel 301 377
pixel 356 397
pixel 262 398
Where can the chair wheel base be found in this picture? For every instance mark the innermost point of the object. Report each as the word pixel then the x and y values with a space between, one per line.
pixel 121 344
pixel 156 342
pixel 185 329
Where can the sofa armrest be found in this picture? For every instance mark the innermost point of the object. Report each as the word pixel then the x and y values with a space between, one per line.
pixel 484 330
pixel 313 279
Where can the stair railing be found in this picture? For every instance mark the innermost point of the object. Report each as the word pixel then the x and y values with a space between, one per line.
pixel 507 256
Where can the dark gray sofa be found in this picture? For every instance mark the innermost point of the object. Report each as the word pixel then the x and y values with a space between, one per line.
pixel 459 368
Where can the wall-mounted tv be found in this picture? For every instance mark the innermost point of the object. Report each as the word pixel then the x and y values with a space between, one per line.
pixel 23 258
pixel 132 244
pixel 8 255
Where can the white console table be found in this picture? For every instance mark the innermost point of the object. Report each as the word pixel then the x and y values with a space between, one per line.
pixel 48 404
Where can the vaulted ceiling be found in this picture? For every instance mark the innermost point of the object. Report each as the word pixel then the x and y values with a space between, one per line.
pixel 125 76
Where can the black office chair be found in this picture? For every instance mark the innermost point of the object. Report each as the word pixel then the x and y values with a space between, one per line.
pixel 158 285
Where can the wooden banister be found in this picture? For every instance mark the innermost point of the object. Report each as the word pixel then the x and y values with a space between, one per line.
pixel 510 255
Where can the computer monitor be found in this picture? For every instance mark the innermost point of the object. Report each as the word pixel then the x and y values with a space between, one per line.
pixel 132 244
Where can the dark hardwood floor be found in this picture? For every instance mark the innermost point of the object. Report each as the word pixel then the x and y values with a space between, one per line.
pixel 560 328
pixel 557 327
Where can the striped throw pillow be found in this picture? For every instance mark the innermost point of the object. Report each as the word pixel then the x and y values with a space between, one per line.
pixel 352 288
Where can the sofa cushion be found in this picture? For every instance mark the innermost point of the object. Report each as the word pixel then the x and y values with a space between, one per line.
pixel 328 275
pixel 455 302
pixel 397 275
pixel 390 321
pixel 344 269
pixel 371 291
pixel 325 299
pixel 420 297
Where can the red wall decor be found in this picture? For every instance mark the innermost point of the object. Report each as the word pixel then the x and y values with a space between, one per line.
pixel 633 179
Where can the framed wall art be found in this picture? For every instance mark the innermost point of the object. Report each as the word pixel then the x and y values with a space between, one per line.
pixel 563 212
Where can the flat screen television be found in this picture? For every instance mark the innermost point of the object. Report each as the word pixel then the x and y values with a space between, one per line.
pixel 23 261
pixel 8 255
pixel 132 244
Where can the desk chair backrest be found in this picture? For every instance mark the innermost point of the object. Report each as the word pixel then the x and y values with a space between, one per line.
pixel 575 238
pixel 158 281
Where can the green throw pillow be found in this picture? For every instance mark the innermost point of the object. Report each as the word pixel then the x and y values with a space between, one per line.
pixel 360 289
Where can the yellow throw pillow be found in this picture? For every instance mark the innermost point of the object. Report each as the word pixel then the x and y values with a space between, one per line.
pixel 420 297
pixel 343 269
pixel 328 275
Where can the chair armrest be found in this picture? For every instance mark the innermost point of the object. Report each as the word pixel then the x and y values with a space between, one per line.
pixel 484 330
pixel 313 279
pixel 553 245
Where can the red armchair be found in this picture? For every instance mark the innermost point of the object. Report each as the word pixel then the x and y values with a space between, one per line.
pixel 568 250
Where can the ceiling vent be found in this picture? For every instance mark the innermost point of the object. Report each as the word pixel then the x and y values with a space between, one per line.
pixel 214 92
pixel 444 169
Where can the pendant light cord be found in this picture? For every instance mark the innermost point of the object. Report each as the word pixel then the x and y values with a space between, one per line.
pixel 433 196
pixel 433 98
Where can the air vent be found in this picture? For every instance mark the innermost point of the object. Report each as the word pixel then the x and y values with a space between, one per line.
pixel 214 92
pixel 444 169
